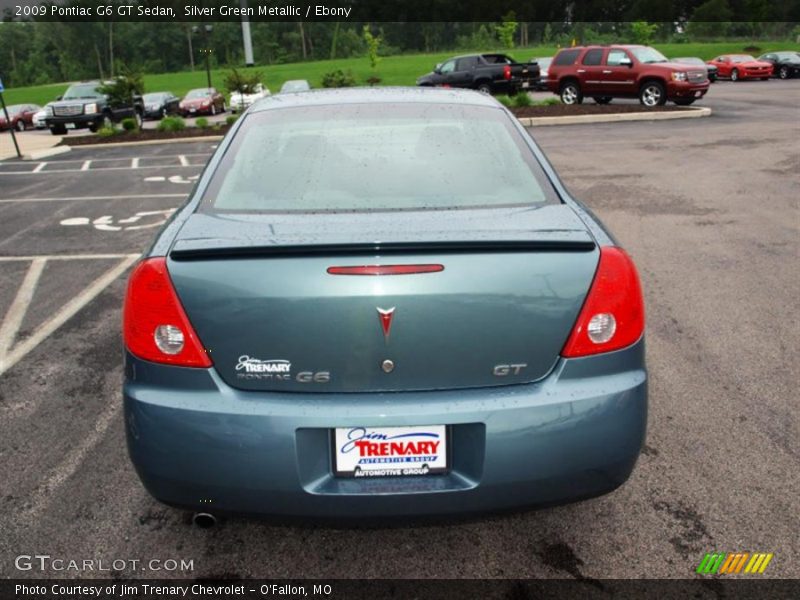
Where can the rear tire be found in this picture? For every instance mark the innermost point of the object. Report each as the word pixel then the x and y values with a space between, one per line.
pixel 484 87
pixel 139 119
pixel 213 109
pixel 652 94
pixel 602 99
pixel 20 126
pixel 571 93
pixel 783 73
pixel 735 75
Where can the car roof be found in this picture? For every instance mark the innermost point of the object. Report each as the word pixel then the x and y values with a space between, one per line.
pixel 597 46
pixel 385 95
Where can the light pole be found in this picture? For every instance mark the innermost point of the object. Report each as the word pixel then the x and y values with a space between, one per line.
pixel 206 50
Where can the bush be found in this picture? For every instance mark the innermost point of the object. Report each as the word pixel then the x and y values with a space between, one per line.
pixel 373 80
pixel 504 100
pixel 107 131
pixel 550 101
pixel 231 119
pixel 338 79
pixel 522 99
pixel 129 124
pixel 171 124
pixel 201 122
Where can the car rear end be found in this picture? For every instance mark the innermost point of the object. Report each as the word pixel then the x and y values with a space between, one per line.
pixel 375 339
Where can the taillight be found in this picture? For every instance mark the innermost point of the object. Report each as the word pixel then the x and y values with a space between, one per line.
pixel 506 72
pixel 612 316
pixel 155 326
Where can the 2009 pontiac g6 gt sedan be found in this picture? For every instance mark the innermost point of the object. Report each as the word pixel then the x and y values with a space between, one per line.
pixel 382 303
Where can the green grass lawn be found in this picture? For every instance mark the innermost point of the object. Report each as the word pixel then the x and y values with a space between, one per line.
pixel 394 70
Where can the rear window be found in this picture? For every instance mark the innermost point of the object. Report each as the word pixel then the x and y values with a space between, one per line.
pixel 567 57
pixel 376 157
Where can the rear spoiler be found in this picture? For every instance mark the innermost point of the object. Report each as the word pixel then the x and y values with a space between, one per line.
pixel 186 250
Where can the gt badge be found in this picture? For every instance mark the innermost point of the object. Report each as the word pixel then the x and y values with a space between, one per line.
pixel 386 315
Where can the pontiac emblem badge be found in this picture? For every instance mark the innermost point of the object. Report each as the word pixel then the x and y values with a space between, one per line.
pixel 385 315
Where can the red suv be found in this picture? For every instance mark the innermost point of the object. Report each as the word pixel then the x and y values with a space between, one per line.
pixel 606 72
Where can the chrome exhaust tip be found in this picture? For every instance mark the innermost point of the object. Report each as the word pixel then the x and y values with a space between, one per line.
pixel 204 520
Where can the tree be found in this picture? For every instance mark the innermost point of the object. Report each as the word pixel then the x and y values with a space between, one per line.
pixel 641 32
pixel 242 83
pixel 710 19
pixel 506 29
pixel 373 43
pixel 123 87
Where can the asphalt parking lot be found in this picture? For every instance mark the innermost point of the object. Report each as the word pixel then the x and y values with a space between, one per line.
pixel 707 207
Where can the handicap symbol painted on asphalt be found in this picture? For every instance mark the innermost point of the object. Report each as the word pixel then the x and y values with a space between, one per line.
pixel 141 220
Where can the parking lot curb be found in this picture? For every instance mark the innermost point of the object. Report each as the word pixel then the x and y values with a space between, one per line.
pixel 690 113
pixel 40 154
pixel 202 138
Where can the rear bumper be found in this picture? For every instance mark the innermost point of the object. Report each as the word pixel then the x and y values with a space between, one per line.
pixel 198 444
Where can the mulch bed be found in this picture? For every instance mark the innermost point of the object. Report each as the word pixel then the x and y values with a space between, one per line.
pixel 144 135
pixel 563 110
pixel 554 110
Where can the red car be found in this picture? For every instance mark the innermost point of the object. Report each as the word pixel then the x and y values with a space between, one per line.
pixel 741 66
pixel 201 101
pixel 20 116
pixel 606 72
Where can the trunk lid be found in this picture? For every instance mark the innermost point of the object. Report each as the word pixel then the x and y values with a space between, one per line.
pixel 258 292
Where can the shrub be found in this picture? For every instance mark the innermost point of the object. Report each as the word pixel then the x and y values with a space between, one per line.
pixel 504 100
pixel 550 101
pixel 201 122
pixel 522 99
pixel 231 119
pixel 373 80
pixel 338 79
pixel 129 124
pixel 171 124
pixel 107 131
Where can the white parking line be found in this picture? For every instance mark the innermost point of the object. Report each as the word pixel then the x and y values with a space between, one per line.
pixel 39 167
pixel 13 319
pixel 13 355
pixel 62 257
pixel 85 165
pixel 87 170
pixel 79 198
pixel 134 163
pixel 66 468
pixel 184 161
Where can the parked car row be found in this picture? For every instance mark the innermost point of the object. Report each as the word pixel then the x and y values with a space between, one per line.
pixel 630 71
pixel 606 72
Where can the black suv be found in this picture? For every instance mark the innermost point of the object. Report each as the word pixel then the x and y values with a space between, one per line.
pixel 488 73
pixel 84 106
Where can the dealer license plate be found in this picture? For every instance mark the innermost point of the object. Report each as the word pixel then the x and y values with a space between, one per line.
pixel 390 451
pixel 69 125
pixel 525 84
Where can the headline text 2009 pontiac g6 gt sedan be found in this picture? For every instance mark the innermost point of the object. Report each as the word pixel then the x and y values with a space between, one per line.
pixel 382 303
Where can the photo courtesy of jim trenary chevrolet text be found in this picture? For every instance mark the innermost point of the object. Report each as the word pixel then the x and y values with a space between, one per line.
pixel 363 299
